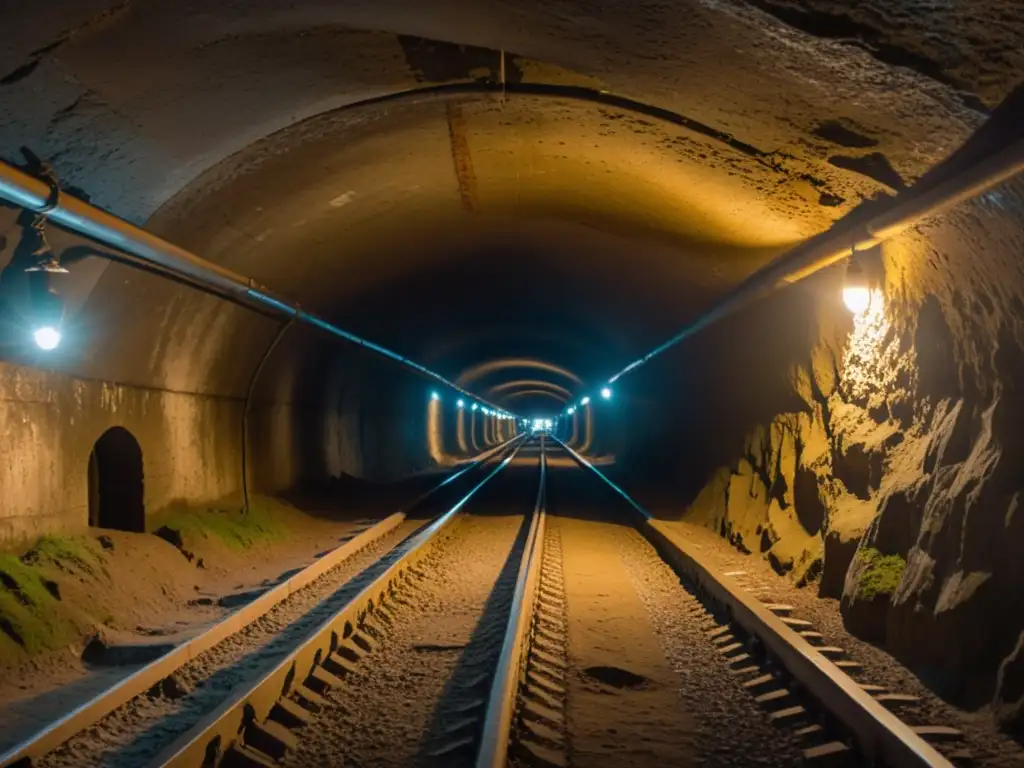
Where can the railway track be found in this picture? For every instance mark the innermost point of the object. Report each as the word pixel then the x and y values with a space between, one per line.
pixel 538 632
pixel 128 723
pixel 804 684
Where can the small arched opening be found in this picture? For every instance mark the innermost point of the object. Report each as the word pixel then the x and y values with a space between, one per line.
pixel 116 483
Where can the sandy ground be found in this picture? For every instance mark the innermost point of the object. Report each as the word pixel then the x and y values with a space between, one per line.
pixel 647 687
pixel 411 702
pixel 640 720
pixel 987 745
pixel 154 596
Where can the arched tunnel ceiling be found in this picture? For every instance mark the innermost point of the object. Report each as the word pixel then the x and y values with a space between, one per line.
pixel 464 228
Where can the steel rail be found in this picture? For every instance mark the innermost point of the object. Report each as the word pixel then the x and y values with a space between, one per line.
pixel 497 727
pixel 91 712
pixel 71 213
pixel 206 743
pixel 881 735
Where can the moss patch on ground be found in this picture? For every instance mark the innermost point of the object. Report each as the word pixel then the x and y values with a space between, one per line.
pixel 266 522
pixel 30 617
pixel 63 589
pixel 880 574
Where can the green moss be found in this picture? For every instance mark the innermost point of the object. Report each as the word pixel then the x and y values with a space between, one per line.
pixel 31 617
pixel 881 574
pixel 68 553
pixel 267 521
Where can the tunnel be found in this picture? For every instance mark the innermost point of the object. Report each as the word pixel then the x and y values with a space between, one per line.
pixel 351 249
pixel 116 482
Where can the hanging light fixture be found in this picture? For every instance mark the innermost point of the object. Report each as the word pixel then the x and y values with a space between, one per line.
pixel 47 312
pixel 856 289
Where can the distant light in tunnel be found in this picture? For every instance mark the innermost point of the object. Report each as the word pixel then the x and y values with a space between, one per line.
pixel 547 423
pixel 606 393
pixel 460 404
pixel 585 401
pixel 47 337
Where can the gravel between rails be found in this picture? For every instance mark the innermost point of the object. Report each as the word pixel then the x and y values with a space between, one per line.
pixel 419 691
pixel 988 747
pixel 133 734
pixel 732 729
pixel 629 614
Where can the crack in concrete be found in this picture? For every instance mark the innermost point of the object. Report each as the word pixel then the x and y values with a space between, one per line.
pixel 36 57
pixel 462 159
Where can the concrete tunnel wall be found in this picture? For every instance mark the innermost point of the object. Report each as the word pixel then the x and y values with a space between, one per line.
pixel 321 409
pixel 325 409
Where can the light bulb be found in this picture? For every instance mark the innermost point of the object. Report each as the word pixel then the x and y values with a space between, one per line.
pixel 856 290
pixel 857 298
pixel 46 337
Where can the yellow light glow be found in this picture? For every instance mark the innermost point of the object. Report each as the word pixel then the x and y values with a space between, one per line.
pixel 435 432
pixel 870 360
pixel 857 299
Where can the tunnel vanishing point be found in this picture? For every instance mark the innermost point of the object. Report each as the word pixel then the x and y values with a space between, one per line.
pixel 253 246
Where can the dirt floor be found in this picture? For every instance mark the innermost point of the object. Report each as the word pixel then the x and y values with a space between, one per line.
pixel 646 684
pixel 117 600
pixel 623 702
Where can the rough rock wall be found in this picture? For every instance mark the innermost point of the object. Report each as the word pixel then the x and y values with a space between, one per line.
pixel 898 481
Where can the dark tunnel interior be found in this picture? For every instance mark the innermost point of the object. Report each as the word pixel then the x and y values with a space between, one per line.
pixel 525 198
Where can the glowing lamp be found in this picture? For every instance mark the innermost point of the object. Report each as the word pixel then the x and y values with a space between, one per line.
pixel 434 396
pixel 475 406
pixel 606 393
pixel 856 291
pixel 585 401
pixel 47 337
pixel 459 404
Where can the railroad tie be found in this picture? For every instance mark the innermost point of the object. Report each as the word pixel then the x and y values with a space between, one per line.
pixel 938 733
pixel 825 751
